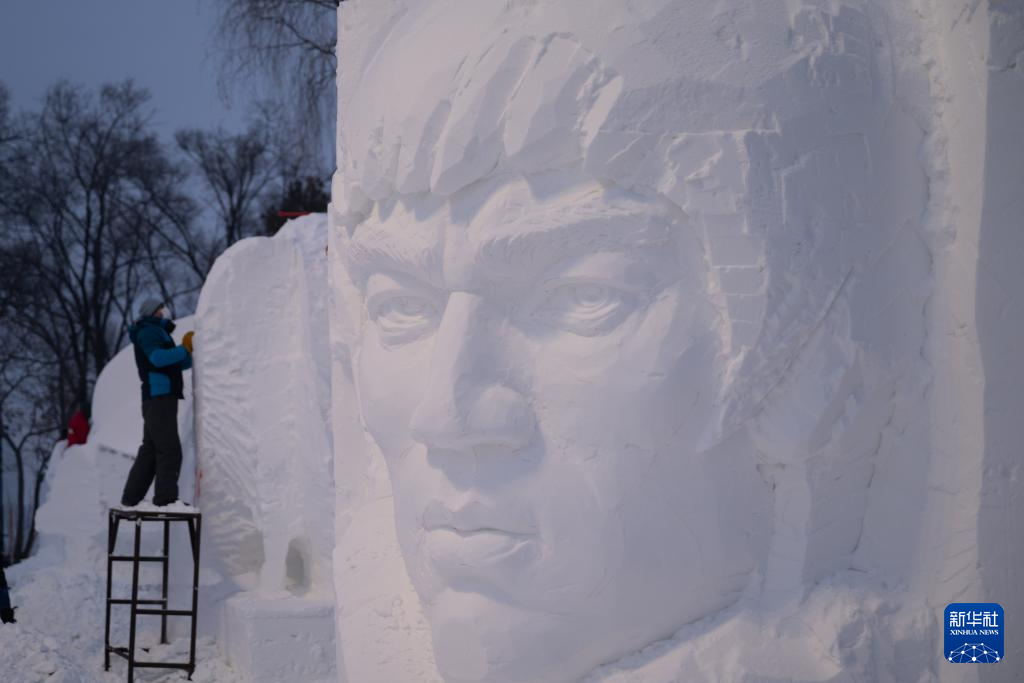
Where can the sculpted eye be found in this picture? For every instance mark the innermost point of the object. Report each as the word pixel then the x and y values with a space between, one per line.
pixel 588 309
pixel 402 318
pixel 592 297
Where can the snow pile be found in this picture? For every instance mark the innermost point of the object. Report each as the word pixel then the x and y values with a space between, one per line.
pixel 31 655
pixel 59 634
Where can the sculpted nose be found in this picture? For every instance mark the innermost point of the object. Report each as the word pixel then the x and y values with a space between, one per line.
pixel 464 407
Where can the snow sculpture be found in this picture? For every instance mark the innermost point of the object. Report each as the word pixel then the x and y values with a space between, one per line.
pixel 265 455
pixel 632 297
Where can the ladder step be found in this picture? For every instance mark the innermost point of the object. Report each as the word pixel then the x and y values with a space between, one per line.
pixel 168 612
pixel 141 558
pixel 128 601
pixel 147 516
pixel 165 665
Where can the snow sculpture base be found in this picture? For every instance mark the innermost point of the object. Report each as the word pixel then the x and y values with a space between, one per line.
pixel 264 636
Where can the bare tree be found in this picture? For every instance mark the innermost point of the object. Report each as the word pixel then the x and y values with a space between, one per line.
pixel 10 382
pixel 235 170
pixel 87 198
pixel 27 432
pixel 291 42
pixel 6 132
pixel 31 445
pixel 297 195
pixel 178 253
pixel 69 197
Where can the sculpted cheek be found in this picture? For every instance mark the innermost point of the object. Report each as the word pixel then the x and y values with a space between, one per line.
pixel 391 381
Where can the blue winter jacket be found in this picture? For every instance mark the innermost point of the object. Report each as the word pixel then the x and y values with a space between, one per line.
pixel 157 358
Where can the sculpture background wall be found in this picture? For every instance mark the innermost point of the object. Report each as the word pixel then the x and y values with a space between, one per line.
pixel 765 162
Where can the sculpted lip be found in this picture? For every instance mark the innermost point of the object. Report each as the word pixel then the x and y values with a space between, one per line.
pixel 476 553
pixel 476 537
pixel 476 517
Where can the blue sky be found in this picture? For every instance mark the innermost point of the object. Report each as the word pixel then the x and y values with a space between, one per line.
pixel 164 45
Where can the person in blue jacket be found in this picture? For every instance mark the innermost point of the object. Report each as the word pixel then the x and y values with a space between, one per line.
pixel 160 363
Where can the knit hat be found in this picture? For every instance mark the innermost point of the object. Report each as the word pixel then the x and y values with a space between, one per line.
pixel 150 305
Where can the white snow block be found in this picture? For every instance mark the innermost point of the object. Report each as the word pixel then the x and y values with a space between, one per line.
pixel 264 443
pixel 700 336
pixel 262 427
pixel 275 639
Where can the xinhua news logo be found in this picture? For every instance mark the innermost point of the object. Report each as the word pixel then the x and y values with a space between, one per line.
pixel 974 633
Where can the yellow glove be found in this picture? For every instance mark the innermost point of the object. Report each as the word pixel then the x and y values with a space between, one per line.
pixel 187 341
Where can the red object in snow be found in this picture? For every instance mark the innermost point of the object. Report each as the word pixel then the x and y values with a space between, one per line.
pixel 78 429
pixel 292 214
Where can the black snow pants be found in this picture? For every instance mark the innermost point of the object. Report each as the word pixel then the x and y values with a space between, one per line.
pixel 6 612
pixel 159 455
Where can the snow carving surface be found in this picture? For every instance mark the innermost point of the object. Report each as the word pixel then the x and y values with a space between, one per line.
pixel 264 445
pixel 267 490
pixel 632 300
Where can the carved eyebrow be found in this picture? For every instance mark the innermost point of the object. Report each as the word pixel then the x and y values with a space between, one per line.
pixel 538 250
pixel 387 250
pixel 532 246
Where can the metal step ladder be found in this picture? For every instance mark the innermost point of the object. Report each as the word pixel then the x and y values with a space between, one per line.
pixel 150 606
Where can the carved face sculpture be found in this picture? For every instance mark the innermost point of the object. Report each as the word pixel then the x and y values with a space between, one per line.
pixel 553 326
pixel 533 369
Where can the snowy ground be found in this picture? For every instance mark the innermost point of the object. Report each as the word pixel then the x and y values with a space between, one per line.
pixel 59 634
pixel 60 591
